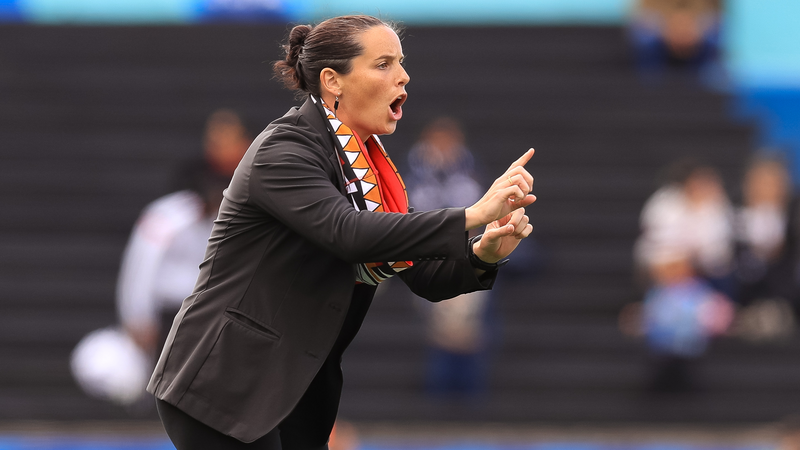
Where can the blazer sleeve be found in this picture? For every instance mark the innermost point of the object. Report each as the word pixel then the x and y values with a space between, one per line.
pixel 291 178
pixel 441 280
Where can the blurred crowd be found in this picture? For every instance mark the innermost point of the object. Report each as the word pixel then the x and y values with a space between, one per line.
pixel 709 267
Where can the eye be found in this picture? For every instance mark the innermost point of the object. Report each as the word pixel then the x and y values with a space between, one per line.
pixel 383 65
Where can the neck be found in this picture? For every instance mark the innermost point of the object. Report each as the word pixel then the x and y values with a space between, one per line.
pixel 330 100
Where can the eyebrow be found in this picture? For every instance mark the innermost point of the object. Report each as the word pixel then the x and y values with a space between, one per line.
pixel 388 56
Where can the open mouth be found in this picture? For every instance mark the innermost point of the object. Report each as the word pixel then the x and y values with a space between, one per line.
pixel 397 106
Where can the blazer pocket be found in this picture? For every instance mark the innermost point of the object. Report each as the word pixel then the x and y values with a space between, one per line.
pixel 256 326
pixel 234 372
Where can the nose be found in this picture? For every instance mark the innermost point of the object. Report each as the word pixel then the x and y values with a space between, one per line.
pixel 404 78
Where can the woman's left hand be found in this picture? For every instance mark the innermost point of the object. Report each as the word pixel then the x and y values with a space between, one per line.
pixel 502 236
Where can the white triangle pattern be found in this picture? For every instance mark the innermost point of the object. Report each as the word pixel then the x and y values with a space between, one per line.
pixel 372 206
pixel 351 156
pixel 344 140
pixel 366 187
pixel 359 172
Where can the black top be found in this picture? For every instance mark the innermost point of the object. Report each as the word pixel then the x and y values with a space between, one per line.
pixel 310 423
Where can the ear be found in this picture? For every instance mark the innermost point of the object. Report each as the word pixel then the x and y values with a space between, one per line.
pixel 330 82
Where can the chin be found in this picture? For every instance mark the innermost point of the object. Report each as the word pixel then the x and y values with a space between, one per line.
pixel 384 129
pixel 390 129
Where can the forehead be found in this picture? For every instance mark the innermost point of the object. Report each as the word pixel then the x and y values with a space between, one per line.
pixel 379 41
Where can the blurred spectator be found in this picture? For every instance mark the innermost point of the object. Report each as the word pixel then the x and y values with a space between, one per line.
pixel 670 33
pixel 766 251
pixel 441 168
pixel 686 251
pixel 457 338
pixel 161 261
pixel 680 313
pixel 691 212
pixel 441 176
pixel 159 268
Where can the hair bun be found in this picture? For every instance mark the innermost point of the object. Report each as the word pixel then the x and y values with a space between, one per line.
pixel 297 38
pixel 289 69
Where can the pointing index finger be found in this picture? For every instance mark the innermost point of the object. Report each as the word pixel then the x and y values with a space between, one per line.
pixel 523 159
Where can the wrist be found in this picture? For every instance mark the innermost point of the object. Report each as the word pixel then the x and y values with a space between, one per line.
pixel 471 219
pixel 480 253
pixel 483 263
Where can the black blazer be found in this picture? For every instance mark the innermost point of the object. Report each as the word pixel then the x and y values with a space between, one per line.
pixel 278 276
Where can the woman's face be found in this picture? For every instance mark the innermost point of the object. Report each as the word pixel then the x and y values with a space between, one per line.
pixel 372 94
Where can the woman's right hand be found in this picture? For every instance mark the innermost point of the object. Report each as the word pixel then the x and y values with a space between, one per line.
pixel 508 193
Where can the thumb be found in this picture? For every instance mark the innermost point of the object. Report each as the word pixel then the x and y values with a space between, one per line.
pixel 493 234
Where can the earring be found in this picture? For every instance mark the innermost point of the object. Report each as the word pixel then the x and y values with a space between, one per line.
pixel 335 105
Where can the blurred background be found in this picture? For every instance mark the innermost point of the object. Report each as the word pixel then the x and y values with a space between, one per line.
pixel 654 307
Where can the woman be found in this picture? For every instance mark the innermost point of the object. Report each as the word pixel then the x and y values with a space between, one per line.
pixel 314 219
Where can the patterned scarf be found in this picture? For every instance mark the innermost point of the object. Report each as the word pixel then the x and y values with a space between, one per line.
pixel 372 183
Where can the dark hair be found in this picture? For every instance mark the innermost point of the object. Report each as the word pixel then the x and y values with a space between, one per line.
pixel 332 43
